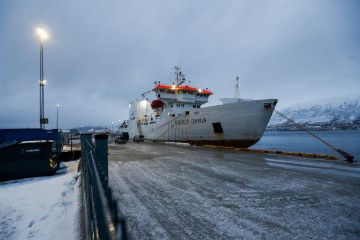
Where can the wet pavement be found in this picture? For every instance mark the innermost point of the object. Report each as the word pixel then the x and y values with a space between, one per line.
pixel 171 191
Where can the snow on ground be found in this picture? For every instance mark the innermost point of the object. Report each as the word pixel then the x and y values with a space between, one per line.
pixel 41 207
pixel 178 143
pixel 167 191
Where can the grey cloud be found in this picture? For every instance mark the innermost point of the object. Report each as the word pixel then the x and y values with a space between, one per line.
pixel 101 55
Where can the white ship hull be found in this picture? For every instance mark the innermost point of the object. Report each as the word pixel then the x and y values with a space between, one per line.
pixel 239 124
pixel 177 115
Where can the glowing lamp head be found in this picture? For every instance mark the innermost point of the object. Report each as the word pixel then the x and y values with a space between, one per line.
pixel 143 103
pixel 41 34
pixel 200 90
pixel 43 82
pixel 173 87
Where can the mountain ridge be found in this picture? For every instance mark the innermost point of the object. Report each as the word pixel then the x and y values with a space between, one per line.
pixel 335 114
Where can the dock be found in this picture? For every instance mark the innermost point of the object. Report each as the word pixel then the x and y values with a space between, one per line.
pixel 171 191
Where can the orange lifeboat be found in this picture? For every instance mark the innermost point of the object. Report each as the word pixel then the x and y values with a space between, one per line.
pixel 157 104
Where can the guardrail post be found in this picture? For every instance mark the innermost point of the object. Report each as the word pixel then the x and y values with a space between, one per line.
pixel 85 137
pixel 101 149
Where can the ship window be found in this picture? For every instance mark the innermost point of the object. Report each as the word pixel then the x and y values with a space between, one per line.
pixel 198 106
pixel 217 127
pixel 158 95
pixel 171 106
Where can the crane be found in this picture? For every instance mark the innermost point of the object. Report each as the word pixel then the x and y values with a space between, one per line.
pixel 144 94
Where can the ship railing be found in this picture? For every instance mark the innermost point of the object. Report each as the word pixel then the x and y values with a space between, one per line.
pixel 169 122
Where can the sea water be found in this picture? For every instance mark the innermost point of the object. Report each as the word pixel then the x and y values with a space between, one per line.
pixel 299 141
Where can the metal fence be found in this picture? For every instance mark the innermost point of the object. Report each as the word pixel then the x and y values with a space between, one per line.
pixel 100 218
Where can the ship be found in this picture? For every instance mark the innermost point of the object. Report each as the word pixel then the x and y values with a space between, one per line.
pixel 176 115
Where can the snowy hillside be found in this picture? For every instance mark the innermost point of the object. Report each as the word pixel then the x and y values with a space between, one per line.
pixel 324 115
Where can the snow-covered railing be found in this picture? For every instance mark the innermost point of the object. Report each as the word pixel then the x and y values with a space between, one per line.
pixel 99 215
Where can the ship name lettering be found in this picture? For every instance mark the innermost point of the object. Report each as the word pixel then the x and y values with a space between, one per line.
pixel 182 122
pixel 198 120
pixel 190 121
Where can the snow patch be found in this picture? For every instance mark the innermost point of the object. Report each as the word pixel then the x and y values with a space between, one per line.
pixel 178 143
pixel 41 207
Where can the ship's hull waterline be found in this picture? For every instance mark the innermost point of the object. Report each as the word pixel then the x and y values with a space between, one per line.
pixel 239 124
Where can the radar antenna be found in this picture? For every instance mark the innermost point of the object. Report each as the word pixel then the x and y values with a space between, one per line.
pixel 180 78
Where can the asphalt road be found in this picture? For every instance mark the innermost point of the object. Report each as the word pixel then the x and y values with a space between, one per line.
pixel 170 191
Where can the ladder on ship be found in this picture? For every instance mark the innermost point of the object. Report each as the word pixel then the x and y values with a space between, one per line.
pixel 139 128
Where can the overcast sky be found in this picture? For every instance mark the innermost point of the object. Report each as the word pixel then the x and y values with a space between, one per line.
pixel 101 55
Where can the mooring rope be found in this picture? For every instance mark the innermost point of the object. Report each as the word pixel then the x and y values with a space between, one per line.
pixel 348 157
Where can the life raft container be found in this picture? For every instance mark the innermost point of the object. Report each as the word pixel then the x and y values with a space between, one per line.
pixel 157 104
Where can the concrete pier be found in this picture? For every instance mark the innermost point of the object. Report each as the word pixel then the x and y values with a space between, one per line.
pixel 170 191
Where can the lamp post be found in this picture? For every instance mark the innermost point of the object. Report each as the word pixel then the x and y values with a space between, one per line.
pixel 42 36
pixel 57 116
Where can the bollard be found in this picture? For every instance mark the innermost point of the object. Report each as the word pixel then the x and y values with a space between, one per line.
pixel 101 149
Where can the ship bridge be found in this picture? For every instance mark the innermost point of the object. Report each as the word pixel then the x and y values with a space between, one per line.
pixel 181 94
pixel 176 99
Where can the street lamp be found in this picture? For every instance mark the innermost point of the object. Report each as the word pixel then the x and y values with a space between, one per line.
pixel 57 116
pixel 42 36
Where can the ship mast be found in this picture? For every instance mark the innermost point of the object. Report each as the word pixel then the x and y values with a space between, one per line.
pixel 180 78
pixel 237 87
